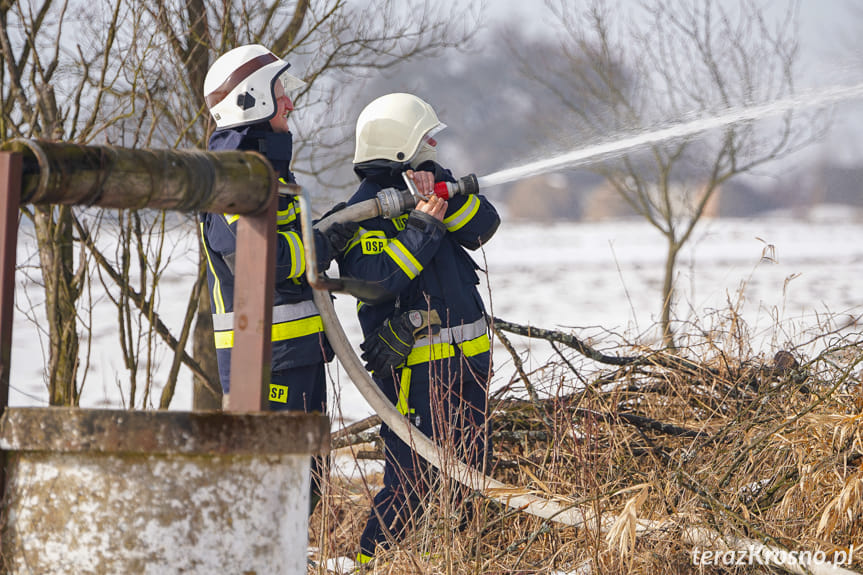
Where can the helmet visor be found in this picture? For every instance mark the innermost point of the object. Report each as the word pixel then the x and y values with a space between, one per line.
pixel 429 137
pixel 290 82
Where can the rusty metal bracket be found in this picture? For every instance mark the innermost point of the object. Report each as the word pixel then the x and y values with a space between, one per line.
pixel 255 278
pixel 10 193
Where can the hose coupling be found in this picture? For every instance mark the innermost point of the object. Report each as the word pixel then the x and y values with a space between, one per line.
pixel 394 203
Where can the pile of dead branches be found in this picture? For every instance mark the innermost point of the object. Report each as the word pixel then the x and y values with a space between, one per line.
pixel 708 436
pixel 766 449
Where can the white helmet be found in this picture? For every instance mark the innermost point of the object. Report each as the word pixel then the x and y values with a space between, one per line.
pixel 239 87
pixel 393 127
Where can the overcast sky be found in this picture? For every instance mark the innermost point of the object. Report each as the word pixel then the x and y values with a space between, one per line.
pixel 827 27
pixel 831 52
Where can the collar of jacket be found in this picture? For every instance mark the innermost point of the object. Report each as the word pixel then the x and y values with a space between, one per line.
pixel 276 146
pixel 384 172
pixel 388 174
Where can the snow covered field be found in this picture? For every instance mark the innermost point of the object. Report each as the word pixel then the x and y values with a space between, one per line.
pixel 589 277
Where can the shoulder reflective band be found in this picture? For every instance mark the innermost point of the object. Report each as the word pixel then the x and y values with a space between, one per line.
pixel 471 338
pixel 290 321
pixel 403 258
pixel 464 214
pixel 287 216
pixel 238 76
pixel 298 255
pixel 282 216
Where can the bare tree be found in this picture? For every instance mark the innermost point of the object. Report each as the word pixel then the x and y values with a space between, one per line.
pixel 50 93
pixel 131 74
pixel 673 61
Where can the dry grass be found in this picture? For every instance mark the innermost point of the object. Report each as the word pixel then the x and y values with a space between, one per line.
pixel 768 449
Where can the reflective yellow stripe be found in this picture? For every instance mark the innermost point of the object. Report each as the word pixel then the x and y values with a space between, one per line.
pixel 362 558
pixel 298 256
pixel 352 244
pixel 403 258
pixel 427 353
pixel 434 351
pixel 289 215
pixel 281 313
pixel 283 218
pixel 404 391
pixel 476 346
pixel 281 331
pixel 463 215
pixel 218 302
pixel 298 328
pixel 364 234
pixel 224 339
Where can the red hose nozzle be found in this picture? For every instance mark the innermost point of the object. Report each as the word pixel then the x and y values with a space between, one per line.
pixel 466 185
pixel 441 190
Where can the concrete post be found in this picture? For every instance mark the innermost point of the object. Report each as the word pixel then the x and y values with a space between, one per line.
pixel 155 492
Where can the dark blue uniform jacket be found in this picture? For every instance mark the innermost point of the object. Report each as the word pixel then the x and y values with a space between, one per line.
pixel 298 338
pixel 412 264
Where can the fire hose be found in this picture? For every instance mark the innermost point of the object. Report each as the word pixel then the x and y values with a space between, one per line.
pixel 472 478
pixel 391 203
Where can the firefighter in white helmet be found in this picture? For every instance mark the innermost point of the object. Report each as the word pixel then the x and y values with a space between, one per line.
pixel 427 346
pixel 246 93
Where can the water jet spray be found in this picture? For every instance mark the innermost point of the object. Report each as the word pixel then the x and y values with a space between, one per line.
pixel 618 146
pixel 471 184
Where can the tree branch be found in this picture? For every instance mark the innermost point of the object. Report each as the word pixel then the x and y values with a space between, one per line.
pixel 655 359
pixel 146 307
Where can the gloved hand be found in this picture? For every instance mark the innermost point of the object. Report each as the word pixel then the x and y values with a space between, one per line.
pixel 389 346
pixel 339 235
